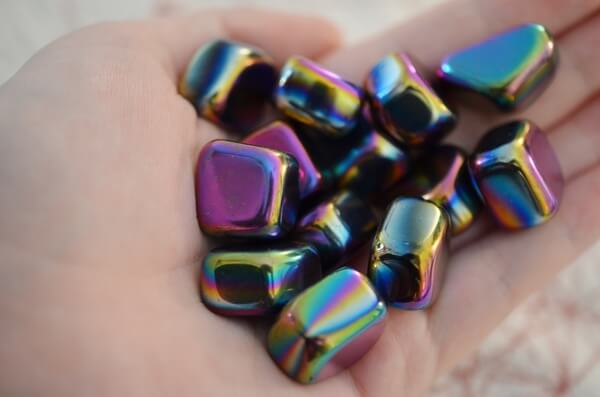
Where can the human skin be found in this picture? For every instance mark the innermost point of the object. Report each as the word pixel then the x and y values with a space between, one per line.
pixel 99 244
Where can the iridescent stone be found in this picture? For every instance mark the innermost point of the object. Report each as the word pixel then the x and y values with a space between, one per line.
pixel 518 175
pixel 511 68
pixel 363 161
pixel 315 96
pixel 229 84
pixel 328 327
pixel 409 253
pixel 404 104
pixel 442 176
pixel 251 280
pixel 280 136
pixel 246 191
pixel 337 228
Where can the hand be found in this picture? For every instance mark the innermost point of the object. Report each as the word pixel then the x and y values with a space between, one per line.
pixel 99 244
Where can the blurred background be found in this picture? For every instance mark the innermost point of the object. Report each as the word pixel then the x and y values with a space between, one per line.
pixel 548 347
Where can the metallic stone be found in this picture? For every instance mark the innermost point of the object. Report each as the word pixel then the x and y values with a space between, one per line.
pixel 314 96
pixel 328 327
pixel 246 191
pixel 442 176
pixel 404 104
pixel 518 175
pixel 280 136
pixel 511 68
pixel 251 280
pixel 363 161
pixel 409 253
pixel 229 84
pixel 337 228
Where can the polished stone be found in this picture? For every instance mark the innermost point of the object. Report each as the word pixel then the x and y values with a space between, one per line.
pixel 409 253
pixel 317 97
pixel 404 104
pixel 511 68
pixel 250 280
pixel 328 327
pixel 246 191
pixel 518 175
pixel 230 84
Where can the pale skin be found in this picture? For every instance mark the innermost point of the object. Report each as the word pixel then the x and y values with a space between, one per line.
pixel 99 244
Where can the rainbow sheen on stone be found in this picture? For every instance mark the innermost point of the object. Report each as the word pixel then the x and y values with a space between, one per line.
pixel 246 191
pixel 250 280
pixel 511 68
pixel 518 175
pixel 404 104
pixel 317 97
pixel 363 161
pixel 229 84
pixel 328 327
pixel 280 136
pixel 442 176
pixel 409 253
pixel 337 228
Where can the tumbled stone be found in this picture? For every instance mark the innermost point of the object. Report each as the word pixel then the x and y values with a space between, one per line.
pixel 328 327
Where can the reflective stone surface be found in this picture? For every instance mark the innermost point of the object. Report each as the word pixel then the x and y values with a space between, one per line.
pixel 337 228
pixel 511 68
pixel 518 175
pixel 442 176
pixel 280 136
pixel 409 253
pixel 229 84
pixel 317 97
pixel 404 104
pixel 328 327
pixel 246 191
pixel 249 280
pixel 363 161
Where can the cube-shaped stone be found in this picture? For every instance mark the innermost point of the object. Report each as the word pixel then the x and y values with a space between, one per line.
pixel 280 136
pixel 328 327
pixel 246 191
pixel 337 228
pixel 317 97
pixel 510 68
pixel 442 176
pixel 409 253
pixel 250 280
pixel 230 84
pixel 518 175
pixel 404 104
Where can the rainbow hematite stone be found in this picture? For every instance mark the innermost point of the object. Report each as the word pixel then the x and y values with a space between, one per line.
pixel 337 228
pixel 404 104
pixel 280 136
pixel 251 280
pixel 442 176
pixel 511 68
pixel 518 175
pixel 229 84
pixel 409 253
pixel 246 191
pixel 317 97
pixel 328 327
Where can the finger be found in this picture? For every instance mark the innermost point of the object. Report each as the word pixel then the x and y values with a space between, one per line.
pixel 454 25
pixel 578 140
pixel 279 34
pixel 487 281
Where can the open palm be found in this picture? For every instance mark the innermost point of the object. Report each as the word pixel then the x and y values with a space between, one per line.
pixel 99 243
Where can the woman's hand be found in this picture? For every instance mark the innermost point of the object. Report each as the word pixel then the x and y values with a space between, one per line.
pixel 99 244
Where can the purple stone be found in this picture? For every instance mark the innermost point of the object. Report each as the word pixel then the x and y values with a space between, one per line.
pixel 246 191
pixel 280 136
